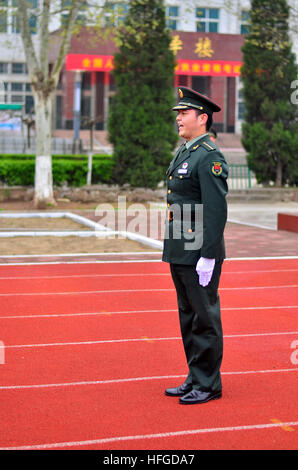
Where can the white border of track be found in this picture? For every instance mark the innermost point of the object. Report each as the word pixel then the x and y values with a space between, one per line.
pixel 98 229
pixel 186 432
pixel 115 261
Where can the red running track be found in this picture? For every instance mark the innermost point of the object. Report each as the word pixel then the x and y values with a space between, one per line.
pixel 88 349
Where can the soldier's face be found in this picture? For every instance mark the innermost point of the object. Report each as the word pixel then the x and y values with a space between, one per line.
pixel 190 125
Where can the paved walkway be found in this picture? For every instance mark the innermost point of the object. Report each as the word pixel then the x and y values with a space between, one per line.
pixel 247 241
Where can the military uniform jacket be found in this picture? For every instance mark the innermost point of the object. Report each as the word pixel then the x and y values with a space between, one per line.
pixel 196 200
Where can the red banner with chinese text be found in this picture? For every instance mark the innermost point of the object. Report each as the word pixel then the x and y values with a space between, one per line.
pixel 213 68
pixel 104 63
pixel 88 62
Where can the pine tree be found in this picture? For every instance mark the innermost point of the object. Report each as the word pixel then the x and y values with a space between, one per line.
pixel 141 123
pixel 269 69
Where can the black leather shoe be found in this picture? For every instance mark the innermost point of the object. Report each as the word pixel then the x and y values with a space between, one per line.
pixel 197 396
pixel 178 391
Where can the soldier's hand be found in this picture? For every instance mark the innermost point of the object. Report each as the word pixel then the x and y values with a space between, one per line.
pixel 204 269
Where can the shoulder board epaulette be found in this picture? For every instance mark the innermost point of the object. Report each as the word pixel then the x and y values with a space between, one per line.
pixel 207 146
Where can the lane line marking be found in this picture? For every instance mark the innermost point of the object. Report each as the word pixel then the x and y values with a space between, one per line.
pixel 50 263
pixel 121 291
pixel 187 432
pixel 284 428
pixel 128 312
pixel 133 340
pixel 67 255
pixel 133 379
pixel 80 276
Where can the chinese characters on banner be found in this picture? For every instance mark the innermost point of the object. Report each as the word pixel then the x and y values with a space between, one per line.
pixel 205 65
pixel 89 62
pixel 220 68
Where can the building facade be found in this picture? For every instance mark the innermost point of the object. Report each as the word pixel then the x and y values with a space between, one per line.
pixel 206 40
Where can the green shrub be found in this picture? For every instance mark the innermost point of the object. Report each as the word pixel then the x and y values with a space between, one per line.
pixel 20 173
pixel 18 170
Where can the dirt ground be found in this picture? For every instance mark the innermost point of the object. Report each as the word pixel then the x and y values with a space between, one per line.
pixel 59 245
pixel 28 245
pixel 38 223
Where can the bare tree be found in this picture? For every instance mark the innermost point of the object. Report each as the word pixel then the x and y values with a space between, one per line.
pixel 44 83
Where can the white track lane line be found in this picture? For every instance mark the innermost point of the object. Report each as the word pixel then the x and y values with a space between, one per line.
pixel 121 291
pixel 80 276
pixel 134 379
pixel 135 340
pixel 187 432
pixel 78 262
pixel 167 274
pixel 131 312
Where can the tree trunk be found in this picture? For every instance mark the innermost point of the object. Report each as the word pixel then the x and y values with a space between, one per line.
pixel 43 194
pixel 278 180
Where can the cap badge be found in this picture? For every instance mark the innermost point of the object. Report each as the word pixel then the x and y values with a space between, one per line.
pixel 180 93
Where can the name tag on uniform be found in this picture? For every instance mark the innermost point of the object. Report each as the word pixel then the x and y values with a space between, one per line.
pixel 182 171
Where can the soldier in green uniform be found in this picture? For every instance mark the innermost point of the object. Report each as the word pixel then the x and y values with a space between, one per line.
pixel 194 245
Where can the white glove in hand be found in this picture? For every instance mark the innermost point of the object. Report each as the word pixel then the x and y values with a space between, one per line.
pixel 204 269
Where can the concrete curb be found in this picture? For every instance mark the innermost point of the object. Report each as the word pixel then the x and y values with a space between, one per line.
pixel 99 230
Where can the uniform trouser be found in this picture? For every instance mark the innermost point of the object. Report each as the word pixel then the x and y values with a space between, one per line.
pixel 200 323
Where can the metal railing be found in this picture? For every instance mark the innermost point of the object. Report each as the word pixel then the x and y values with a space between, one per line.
pixel 20 145
pixel 240 176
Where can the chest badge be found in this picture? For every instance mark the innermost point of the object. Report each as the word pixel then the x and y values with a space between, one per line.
pixel 183 170
pixel 217 168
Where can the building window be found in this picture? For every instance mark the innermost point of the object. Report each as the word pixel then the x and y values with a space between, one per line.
pixel 3 21
pixel 207 20
pixel 59 112
pixel 3 16
pixel 241 105
pixel 17 98
pixel 172 15
pixel 15 25
pixel 3 96
pixel 115 13
pixel 81 17
pixel 32 4
pixel 244 27
pixel 33 24
pixel 17 87
pixel 86 81
pixel 29 104
pixel 19 68
pixel 3 67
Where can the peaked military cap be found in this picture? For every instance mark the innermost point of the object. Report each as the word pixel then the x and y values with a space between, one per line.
pixel 189 98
